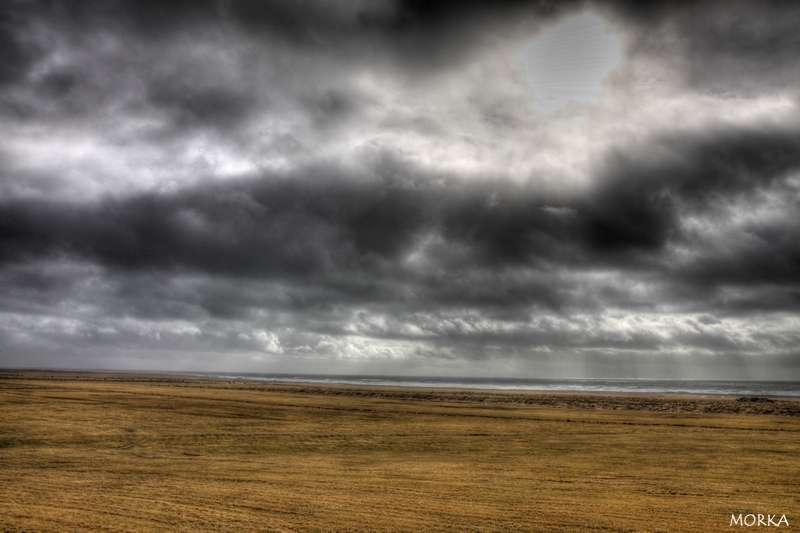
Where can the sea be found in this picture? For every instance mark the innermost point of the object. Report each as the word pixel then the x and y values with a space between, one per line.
pixel 659 386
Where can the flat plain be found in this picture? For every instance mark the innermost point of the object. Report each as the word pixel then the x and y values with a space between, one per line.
pixel 125 453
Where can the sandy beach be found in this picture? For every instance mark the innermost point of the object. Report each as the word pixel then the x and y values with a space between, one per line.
pixel 147 452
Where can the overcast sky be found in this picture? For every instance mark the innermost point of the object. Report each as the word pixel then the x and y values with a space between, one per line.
pixel 500 188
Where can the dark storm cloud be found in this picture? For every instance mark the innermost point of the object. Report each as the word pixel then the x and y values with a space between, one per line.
pixel 730 47
pixel 198 102
pixel 299 225
pixel 330 28
pixel 89 62
pixel 161 64
pixel 69 58
pixel 15 57
pixel 416 33
pixel 322 224
pixel 638 203
pixel 723 46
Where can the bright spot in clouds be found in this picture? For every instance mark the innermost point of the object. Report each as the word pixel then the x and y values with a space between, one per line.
pixel 569 61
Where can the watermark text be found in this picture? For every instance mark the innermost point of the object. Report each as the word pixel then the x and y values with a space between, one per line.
pixel 751 520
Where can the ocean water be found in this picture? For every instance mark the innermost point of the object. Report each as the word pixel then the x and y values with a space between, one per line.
pixel 738 388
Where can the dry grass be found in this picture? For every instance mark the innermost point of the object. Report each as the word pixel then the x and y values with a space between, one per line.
pixel 173 455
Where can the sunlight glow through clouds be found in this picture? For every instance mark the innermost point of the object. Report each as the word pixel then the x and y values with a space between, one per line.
pixel 569 61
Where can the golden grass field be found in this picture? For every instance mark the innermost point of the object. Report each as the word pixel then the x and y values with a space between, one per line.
pixel 94 452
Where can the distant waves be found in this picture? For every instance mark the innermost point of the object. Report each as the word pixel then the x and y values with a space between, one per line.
pixel 737 388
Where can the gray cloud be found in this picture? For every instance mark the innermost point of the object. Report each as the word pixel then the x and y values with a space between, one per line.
pixel 321 219
pixel 730 48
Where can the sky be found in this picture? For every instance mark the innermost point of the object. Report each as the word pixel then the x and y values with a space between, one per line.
pixel 585 189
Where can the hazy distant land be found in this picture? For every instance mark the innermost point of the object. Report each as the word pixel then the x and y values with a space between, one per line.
pixel 126 452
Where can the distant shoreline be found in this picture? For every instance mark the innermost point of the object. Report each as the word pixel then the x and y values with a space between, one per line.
pixel 583 386
pixel 671 402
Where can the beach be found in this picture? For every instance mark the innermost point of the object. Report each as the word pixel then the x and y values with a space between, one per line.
pixel 148 452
